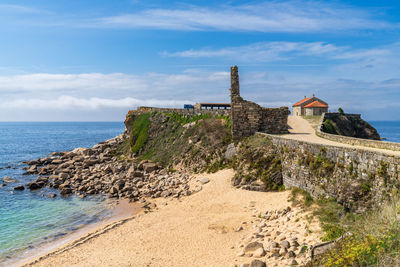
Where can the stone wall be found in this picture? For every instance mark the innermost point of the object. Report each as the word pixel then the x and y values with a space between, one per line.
pixel 356 178
pixel 354 141
pixel 225 112
pixel 248 117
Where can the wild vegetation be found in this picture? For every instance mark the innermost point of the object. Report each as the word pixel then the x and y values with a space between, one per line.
pixel 195 142
pixel 259 164
pixel 372 238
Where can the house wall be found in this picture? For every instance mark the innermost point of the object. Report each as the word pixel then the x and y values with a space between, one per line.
pixel 315 111
pixel 297 111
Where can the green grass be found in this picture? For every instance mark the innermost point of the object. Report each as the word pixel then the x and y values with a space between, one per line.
pixel 139 134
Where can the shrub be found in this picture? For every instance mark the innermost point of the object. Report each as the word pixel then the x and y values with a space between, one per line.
pixel 375 239
pixel 328 127
pixel 340 110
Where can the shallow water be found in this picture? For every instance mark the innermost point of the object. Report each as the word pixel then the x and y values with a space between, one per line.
pixel 27 218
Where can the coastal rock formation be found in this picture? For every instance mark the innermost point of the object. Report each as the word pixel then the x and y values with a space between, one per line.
pixel 88 171
pixel 350 125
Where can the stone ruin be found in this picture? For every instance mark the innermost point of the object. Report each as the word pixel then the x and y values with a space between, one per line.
pixel 248 117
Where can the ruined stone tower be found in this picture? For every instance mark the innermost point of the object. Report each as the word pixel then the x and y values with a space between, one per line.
pixel 248 118
pixel 235 89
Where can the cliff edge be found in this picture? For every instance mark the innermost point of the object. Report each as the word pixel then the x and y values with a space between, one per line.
pixel 350 125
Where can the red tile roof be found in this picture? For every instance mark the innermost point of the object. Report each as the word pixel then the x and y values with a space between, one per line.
pixel 316 104
pixel 302 101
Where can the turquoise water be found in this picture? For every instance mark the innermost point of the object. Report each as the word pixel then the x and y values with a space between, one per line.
pixel 30 218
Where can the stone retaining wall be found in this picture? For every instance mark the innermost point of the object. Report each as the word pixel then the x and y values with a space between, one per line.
pixel 354 141
pixel 357 178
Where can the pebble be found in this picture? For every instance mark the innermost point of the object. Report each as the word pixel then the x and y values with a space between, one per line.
pixel 204 180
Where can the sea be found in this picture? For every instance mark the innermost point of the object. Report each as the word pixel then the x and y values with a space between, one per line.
pixel 29 219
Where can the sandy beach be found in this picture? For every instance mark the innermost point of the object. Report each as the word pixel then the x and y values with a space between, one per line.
pixel 121 210
pixel 197 230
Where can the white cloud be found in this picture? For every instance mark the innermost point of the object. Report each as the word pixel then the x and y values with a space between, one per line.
pixel 287 16
pixel 263 51
pixel 68 102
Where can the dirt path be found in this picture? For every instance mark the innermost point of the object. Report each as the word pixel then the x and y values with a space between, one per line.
pixel 300 129
pixel 196 231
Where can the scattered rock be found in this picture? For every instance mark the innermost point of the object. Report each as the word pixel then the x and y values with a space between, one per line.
pixel 66 191
pixel 204 180
pixel 258 263
pixel 253 246
pixel 231 151
pixel 285 244
pixel 258 253
pixel 19 188
pixel 7 179
pixel 33 186
pixel 291 254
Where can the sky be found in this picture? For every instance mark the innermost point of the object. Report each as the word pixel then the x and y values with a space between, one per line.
pixel 85 60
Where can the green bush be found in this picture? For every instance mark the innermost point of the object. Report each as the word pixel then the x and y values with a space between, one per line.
pixel 340 110
pixel 328 127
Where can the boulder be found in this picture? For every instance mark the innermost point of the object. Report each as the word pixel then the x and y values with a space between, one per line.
pixel 149 167
pixel 63 175
pixel 114 190
pixel 285 244
pixel 130 172
pixel 7 179
pixel 257 263
pixel 31 170
pixel 62 186
pixel 252 247
pixel 230 151
pixel 140 165
pixel 258 253
pixel 291 254
pixel 19 188
pixel 204 180
pixel 66 191
pixel 33 186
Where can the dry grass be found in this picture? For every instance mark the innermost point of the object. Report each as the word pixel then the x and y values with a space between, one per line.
pixel 313 120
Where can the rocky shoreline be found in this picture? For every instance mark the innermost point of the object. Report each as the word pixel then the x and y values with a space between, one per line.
pixel 90 171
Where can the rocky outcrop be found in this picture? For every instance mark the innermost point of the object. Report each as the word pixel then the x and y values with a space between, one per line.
pixel 350 125
pixel 191 142
pixel 88 171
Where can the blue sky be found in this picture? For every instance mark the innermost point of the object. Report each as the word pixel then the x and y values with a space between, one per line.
pixel 85 60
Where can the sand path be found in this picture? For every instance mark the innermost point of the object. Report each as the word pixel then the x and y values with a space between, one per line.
pixel 300 129
pixel 196 231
